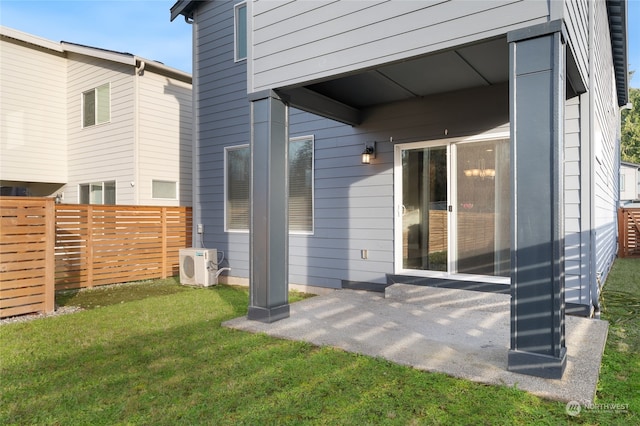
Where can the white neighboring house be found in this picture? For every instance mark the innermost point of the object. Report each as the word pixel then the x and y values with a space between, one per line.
pixel 629 182
pixel 90 125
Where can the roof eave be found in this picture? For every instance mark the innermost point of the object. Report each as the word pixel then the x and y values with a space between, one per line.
pixel 96 52
pixel 30 39
pixel 629 164
pixel 617 12
pixel 183 7
pixel 162 69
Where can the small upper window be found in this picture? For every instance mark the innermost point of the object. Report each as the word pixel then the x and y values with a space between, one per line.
pixel 240 31
pixel 164 189
pixel 96 106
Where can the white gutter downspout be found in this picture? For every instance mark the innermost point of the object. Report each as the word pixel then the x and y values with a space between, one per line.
pixel 594 286
pixel 195 168
pixel 138 71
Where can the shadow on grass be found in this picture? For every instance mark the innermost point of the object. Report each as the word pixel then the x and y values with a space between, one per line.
pixel 167 360
pixel 89 298
pixel 620 370
pixel 163 358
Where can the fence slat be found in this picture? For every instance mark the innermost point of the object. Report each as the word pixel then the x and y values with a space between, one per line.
pixel 22 310
pixel 27 241
pixel 629 232
pixel 50 259
pixel 100 245
pixel 46 247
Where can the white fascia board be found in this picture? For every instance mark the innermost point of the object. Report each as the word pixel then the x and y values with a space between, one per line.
pixel 160 68
pixel 123 58
pixel 31 39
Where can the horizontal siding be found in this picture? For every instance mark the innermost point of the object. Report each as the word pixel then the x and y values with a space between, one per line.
pixel 606 134
pixel 165 136
pixel 576 14
pixel 106 151
pixel 575 251
pixel 33 114
pixel 223 120
pixel 353 203
pixel 295 42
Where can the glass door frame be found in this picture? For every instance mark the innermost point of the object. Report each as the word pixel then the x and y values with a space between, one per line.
pixel 451 146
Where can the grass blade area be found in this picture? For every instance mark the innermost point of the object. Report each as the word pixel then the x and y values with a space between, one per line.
pixel 155 353
pixel 620 370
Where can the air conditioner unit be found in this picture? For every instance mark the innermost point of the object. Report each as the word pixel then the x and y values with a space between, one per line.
pixel 198 267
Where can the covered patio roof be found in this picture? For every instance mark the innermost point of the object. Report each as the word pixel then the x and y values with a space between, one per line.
pixel 343 97
pixel 486 63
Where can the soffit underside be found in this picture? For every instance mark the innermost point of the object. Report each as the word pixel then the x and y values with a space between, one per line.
pixel 343 97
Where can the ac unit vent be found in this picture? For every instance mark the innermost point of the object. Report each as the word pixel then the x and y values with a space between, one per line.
pixel 198 267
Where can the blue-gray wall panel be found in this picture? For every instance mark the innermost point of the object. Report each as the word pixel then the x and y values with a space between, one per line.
pixel 353 202
pixel 290 44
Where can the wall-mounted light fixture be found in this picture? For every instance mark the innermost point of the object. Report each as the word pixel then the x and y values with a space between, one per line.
pixel 368 153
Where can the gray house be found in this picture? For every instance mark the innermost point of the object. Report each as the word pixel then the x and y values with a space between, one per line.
pixel 468 144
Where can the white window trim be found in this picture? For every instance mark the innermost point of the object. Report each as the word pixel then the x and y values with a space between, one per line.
pixel 95 90
pixel 224 202
pixel 115 183
pixel 313 182
pixel 397 225
pixel 235 31
pixel 175 182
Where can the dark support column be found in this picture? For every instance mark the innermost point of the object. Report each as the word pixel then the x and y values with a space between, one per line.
pixel 537 98
pixel 269 237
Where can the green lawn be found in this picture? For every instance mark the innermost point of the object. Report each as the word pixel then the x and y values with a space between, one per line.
pixel 155 353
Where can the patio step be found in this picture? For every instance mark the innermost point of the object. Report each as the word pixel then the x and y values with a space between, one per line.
pixel 435 297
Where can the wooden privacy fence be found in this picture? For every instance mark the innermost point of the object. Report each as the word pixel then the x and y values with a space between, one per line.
pixel 27 235
pixel 98 245
pixel 629 232
pixel 79 246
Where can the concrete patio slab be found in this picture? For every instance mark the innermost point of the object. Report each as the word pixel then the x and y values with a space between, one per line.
pixel 461 333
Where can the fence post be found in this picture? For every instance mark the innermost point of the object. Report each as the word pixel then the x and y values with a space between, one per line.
pixel 89 246
pixel 621 238
pixel 50 256
pixel 164 242
pixel 623 220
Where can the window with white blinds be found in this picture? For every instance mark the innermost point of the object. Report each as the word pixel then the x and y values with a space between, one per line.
pixel 301 184
pixel 164 189
pixel 237 165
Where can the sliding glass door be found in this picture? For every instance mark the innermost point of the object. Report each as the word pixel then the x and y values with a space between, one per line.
pixel 424 208
pixel 452 203
pixel 482 215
